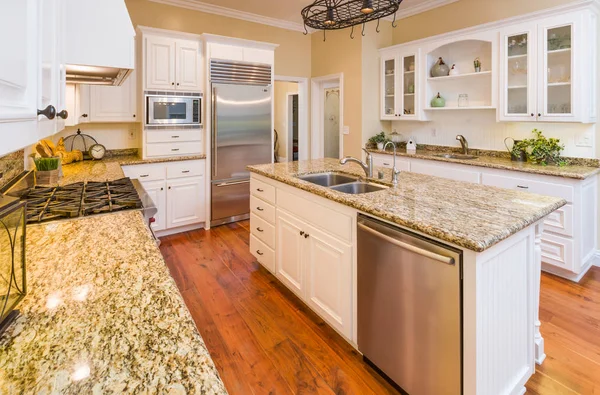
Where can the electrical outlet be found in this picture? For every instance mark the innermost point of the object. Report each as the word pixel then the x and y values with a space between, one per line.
pixel 346 129
pixel 585 140
pixel 434 132
pixel 132 133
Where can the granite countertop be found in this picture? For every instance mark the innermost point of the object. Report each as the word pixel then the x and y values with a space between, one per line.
pixel 469 215
pixel 110 168
pixel 579 172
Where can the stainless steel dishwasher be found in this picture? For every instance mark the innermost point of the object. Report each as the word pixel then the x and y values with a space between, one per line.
pixel 409 308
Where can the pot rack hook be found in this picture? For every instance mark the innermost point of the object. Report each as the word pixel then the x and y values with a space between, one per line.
pixel 305 30
pixel 352 33
pixel 394 24
pixel 363 30
pixel 324 37
pixel 377 28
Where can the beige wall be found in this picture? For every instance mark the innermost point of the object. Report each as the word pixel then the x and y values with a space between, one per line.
pixel 463 14
pixel 292 57
pixel 282 89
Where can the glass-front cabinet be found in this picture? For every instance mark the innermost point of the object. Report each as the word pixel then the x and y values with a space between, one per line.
pixel 399 86
pixel 549 70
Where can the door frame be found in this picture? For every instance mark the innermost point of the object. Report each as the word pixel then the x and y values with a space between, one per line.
pixel 318 104
pixel 289 121
pixel 303 119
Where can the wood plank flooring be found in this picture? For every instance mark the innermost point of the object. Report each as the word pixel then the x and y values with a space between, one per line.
pixel 264 340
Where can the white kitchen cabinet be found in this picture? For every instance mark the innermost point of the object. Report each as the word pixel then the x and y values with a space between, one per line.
pixel 549 69
pixel 114 103
pixel 172 64
pixel 290 243
pixel 441 170
pixel 157 190
pixel 387 161
pixel 185 201
pixel 239 50
pixel 399 86
pixel 226 52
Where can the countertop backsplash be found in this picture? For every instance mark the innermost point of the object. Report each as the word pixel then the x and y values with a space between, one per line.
pixel 10 166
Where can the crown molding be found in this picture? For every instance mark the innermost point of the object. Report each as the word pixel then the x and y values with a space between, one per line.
pixel 231 13
pixel 418 8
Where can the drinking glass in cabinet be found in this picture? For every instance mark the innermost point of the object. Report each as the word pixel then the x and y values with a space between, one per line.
pixel 463 100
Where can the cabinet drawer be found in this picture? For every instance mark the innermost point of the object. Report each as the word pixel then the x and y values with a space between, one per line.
pixel 169 136
pixel 450 173
pixel 263 254
pixel 326 219
pixel 261 229
pixel 262 190
pixel 173 149
pixel 388 162
pixel 539 187
pixel 560 221
pixel 152 172
pixel 188 168
pixel 262 209
pixel 558 251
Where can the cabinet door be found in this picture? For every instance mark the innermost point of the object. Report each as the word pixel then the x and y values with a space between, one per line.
pixel 226 52
pixel 188 65
pixel 290 241
pixel 254 55
pixel 157 190
pixel 389 110
pixel 114 103
pixel 61 67
pixel 518 77
pixel 408 85
pixel 422 167
pixel 160 63
pixel 328 263
pixel 49 65
pixel 558 44
pixel 185 202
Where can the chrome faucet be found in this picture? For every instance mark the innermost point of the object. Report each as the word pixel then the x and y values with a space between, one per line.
pixel 464 144
pixel 367 167
pixel 395 172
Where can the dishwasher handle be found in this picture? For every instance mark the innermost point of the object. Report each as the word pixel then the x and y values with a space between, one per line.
pixel 441 258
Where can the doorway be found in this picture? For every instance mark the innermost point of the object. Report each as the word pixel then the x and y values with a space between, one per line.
pixel 328 117
pixel 290 113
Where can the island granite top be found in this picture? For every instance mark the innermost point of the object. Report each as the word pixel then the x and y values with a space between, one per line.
pixel 469 215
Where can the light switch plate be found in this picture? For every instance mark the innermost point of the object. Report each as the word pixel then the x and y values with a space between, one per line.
pixel 346 129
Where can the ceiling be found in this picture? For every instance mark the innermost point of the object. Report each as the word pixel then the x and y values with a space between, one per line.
pixel 289 10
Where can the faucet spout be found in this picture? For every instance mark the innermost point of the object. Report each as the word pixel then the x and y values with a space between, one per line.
pixel 463 143
pixel 367 167
pixel 395 172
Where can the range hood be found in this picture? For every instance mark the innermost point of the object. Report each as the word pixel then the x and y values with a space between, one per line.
pixel 99 43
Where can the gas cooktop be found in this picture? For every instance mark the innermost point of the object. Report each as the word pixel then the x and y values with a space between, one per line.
pixel 80 199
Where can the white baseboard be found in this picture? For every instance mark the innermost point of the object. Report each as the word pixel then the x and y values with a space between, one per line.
pixel 181 229
pixel 593 260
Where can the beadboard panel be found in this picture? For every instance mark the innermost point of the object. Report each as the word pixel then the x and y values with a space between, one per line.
pixel 483 132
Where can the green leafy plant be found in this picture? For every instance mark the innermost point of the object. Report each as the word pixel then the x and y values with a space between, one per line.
pixel 46 164
pixel 378 138
pixel 519 147
pixel 542 150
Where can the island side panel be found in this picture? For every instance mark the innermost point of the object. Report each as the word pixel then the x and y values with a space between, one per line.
pixel 499 313
pixel 540 355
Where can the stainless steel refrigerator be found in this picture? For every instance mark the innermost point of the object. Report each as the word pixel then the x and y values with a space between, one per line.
pixel 241 135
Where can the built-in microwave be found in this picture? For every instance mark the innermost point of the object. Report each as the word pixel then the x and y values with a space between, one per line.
pixel 173 110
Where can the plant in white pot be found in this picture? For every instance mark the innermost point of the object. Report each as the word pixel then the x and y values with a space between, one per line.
pixel 378 140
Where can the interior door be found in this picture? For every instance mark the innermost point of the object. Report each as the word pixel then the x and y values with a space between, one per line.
pixel 242 129
pixel 160 63
pixel 290 242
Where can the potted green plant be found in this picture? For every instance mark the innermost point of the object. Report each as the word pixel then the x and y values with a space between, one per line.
pixel 477 65
pixel 518 152
pixel 46 170
pixel 544 151
pixel 378 140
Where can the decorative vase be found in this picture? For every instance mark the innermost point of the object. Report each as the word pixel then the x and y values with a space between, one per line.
pixel 440 69
pixel 411 89
pixel 438 101
pixel 380 146
pixel 454 70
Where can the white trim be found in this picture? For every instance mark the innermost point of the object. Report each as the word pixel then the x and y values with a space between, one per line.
pixel 289 149
pixel 405 12
pixel 303 118
pixel 501 23
pixel 231 13
pixel 169 33
pixel 317 105
pixel 181 229
pixel 242 42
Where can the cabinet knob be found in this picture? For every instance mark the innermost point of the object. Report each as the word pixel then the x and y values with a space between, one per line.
pixel 84 115
pixel 178 84
pixel 301 233
pixel 134 115
pixel 539 114
pixel 162 189
pixel 172 83
pixel 64 114
pixel 49 112
pixel 169 187
pixel 306 235
pixel 532 114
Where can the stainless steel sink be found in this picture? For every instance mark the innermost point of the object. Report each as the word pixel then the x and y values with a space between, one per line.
pixel 356 188
pixel 328 179
pixel 456 156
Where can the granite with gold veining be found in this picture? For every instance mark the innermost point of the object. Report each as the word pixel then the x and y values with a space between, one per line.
pixel 102 315
pixel 503 162
pixel 110 168
pixel 469 215
pixel 11 165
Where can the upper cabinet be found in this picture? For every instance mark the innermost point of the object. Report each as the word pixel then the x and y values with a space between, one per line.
pixel 549 70
pixel 172 64
pixel 399 89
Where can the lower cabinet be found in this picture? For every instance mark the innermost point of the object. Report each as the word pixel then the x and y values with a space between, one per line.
pixel 157 190
pixel 289 249
pixel 185 202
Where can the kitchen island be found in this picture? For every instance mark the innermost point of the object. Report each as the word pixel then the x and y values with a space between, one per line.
pixel 102 313
pixel 498 232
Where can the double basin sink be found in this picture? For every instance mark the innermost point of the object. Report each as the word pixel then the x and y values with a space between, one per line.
pixel 342 183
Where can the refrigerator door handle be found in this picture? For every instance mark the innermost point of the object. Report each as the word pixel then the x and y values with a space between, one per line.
pixel 214 132
pixel 226 184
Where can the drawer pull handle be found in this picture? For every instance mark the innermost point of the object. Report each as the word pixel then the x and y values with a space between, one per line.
pixel 260 190
pixel 260 209
pixel 260 230
pixel 145 175
pixel 185 171
pixel 522 187
pixel 175 149
pixel 386 164
pixel 174 137
pixel 259 253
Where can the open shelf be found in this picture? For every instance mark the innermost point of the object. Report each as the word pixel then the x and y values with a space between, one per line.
pixel 518 87
pixel 559 84
pixel 517 57
pixel 559 51
pixel 409 72
pixel 409 94
pixel 455 77
pixel 460 108
pixel 392 95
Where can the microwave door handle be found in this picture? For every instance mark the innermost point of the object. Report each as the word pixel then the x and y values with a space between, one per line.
pixel 214 132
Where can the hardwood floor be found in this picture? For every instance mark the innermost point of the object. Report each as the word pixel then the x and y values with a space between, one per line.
pixel 264 340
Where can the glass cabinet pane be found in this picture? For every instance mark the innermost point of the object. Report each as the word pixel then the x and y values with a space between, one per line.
pixel 390 87
pixel 517 74
pixel 409 86
pixel 558 87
